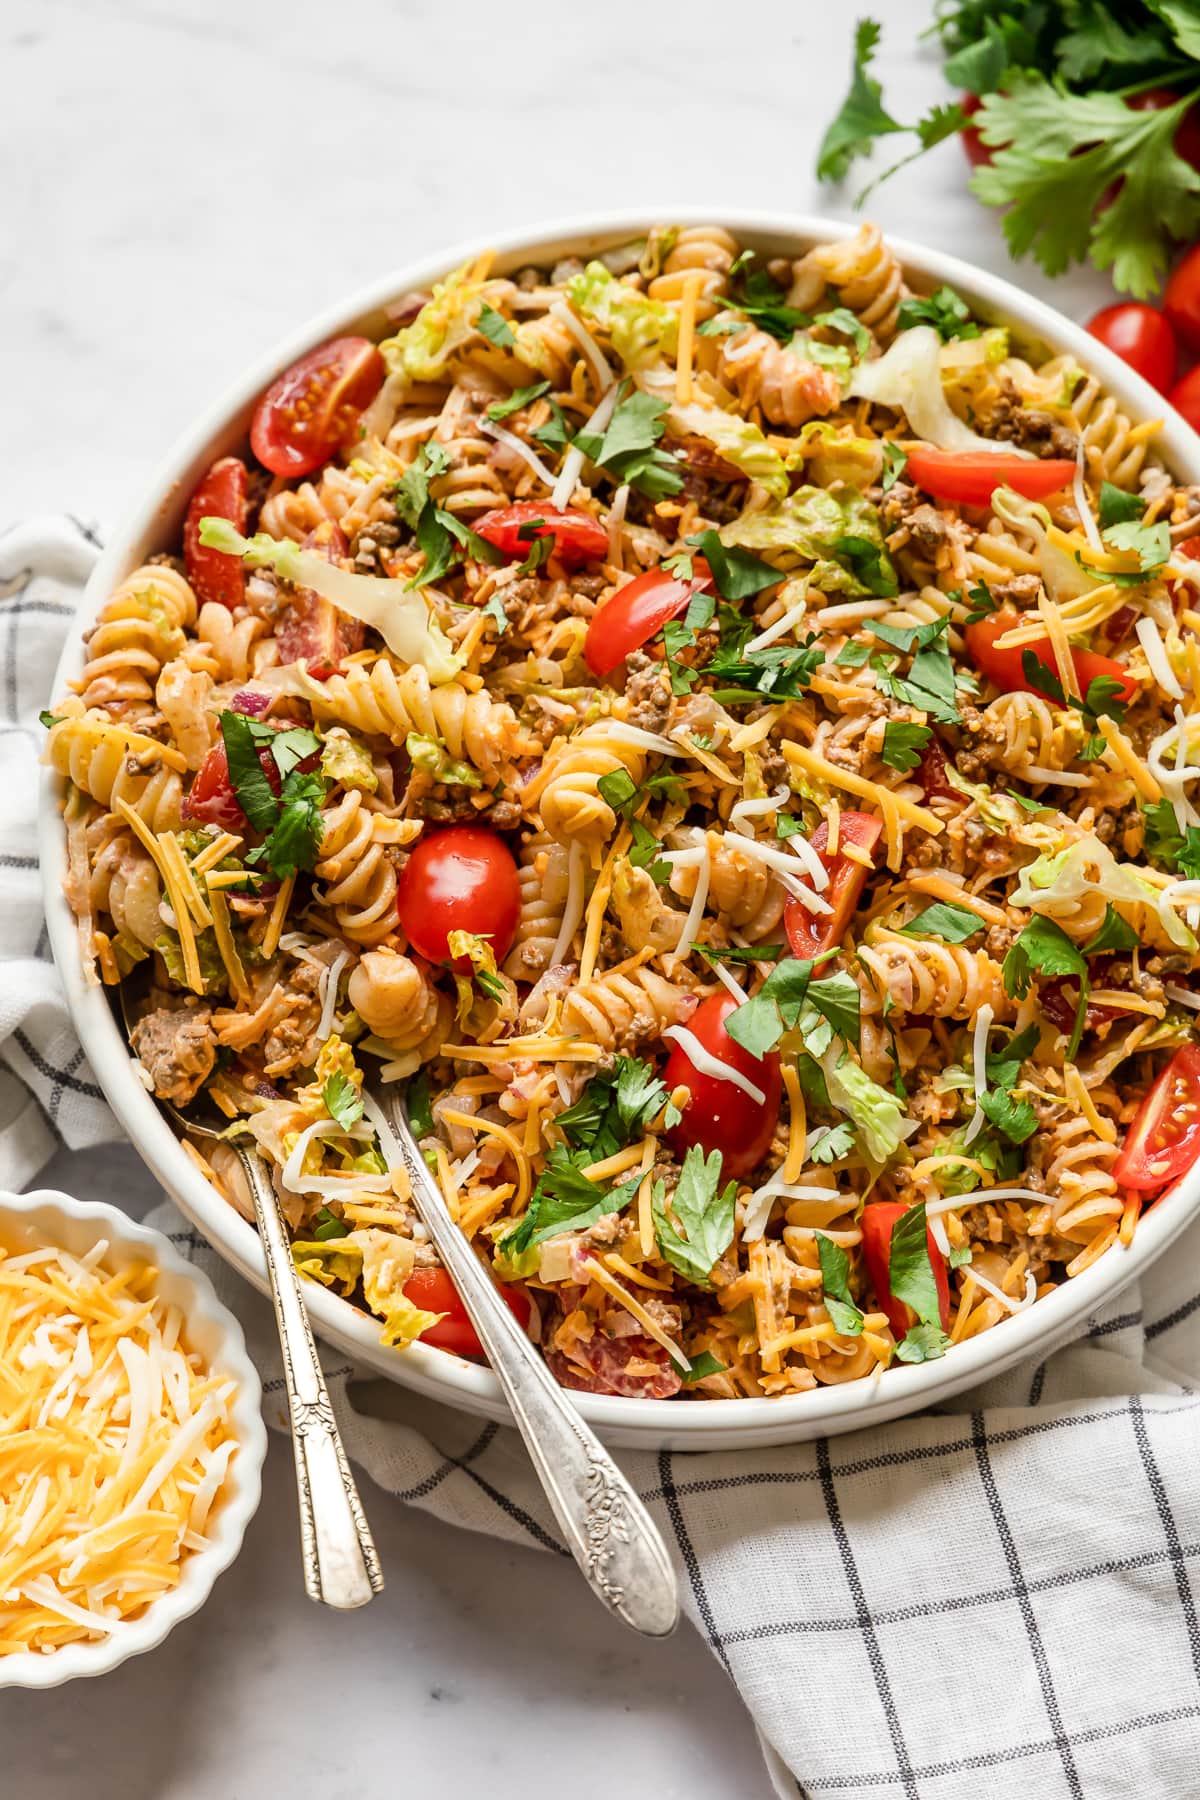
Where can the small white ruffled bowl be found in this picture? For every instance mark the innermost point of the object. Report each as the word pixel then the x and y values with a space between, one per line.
pixel 46 1217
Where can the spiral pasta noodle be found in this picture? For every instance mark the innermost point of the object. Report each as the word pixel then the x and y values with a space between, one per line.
pixel 391 702
pixel 137 631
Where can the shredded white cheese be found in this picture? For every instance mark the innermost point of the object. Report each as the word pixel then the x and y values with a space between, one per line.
pixel 1150 638
pixel 757 1209
pixel 512 442
pixel 708 1064
pixel 573 905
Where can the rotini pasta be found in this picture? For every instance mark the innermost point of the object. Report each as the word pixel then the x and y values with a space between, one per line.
pixel 747 828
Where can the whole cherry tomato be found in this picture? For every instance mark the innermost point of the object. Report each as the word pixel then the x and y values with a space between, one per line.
pixel 878 1223
pixel 1142 337
pixel 578 538
pixel 810 933
pixel 310 411
pixel 971 477
pixel 1006 667
pixel 1164 1140
pixel 222 494
pixel 463 878
pixel 433 1291
pixel 632 616
pixel 719 1115
pixel 977 152
pixel 1185 397
pixel 1181 303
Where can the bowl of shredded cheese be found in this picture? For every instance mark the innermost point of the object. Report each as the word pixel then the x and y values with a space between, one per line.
pixel 132 1441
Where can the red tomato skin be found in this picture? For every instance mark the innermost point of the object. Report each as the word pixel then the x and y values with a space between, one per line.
pixel 878 1223
pixel 211 799
pixel 1190 548
pixel 1185 397
pixel 462 878
pixel 221 494
pixel 309 411
pixel 312 630
pixel 970 478
pixel 1142 337
pixel 577 536
pixel 1181 302
pixel 930 774
pixel 1151 1158
pixel 719 1116
pixel 1005 667
pixel 632 616
pixel 977 152
pixel 810 933
pixel 433 1291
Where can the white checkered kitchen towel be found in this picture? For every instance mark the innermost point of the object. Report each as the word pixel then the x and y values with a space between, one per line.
pixel 997 1600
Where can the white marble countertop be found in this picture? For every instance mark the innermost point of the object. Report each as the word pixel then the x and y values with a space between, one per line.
pixel 188 179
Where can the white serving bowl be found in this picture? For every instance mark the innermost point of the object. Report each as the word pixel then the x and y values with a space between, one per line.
pixel 46 1217
pixel 682 1425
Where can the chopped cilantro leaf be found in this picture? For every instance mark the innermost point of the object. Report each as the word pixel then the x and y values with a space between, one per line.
pixel 342 1100
pixel 903 744
pixel 895 461
pixel 954 924
pixel 522 396
pixel 495 329
pixel 844 1314
pixel 945 310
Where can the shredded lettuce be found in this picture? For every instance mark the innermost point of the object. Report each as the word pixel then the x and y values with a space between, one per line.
pixel 810 523
pixel 402 618
pixel 737 440
pixel 421 350
pixel 878 1115
pixel 1062 577
pixel 346 760
pixel 383 1263
pixel 431 756
pixel 642 331
pixel 1057 882
pixel 836 456
pixel 908 376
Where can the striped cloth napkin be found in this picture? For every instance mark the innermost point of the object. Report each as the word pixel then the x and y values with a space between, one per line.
pixel 995 1599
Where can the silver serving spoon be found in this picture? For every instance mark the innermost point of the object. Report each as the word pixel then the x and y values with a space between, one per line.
pixel 341 1563
pixel 609 1532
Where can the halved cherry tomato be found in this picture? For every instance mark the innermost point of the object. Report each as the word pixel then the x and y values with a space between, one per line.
pixel 1189 550
pixel 221 494
pixel 211 799
pixel 720 1116
pixel 1181 299
pixel 1059 1000
pixel 977 151
pixel 878 1223
pixel 810 933
pixel 634 1367
pixel 1006 667
pixel 311 629
pixel 310 410
pixel 461 879
pixel 930 774
pixel 970 477
pixel 1185 397
pixel 433 1291
pixel 578 538
pixel 1164 1140
pixel 1142 337
pixel 635 612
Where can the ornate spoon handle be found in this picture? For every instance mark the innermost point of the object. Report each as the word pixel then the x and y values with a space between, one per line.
pixel 610 1534
pixel 341 1565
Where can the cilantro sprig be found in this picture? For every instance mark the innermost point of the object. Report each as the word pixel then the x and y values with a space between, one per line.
pixel 290 819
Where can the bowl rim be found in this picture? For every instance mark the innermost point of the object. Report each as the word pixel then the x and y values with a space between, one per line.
pixel 436 1373
pixel 44 1209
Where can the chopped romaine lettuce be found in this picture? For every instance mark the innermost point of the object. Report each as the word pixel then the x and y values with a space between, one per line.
pixel 643 331
pixel 879 1116
pixel 737 440
pixel 346 760
pixel 421 350
pixel 908 376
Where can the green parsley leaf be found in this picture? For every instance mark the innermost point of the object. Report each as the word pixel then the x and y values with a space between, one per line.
pixel 740 953
pixel 553 435
pixel 738 573
pixel 1114 933
pixel 869 563
pixel 844 1315
pixel 841 319
pixel 702 1365
pixel 645 853
pixel 1042 948
pixel 628 446
pixel 614 1108
pixel 1116 507
pixel 838 999
pixel 565 1199
pixel 755 294
pixel 812 1080
pixel 903 744
pixel 930 682
pixel 295 841
pixel 342 1100
pixel 983 602
pixel 1150 543
pixel 922 1343
pixel 495 329
pixel 978 67
pixel 954 924
pixel 494 610
pixel 327 1225
pixel 695 1228
pixel 782 671
pixel 1015 1118
pixel 895 461
pixel 411 493
pixel 255 796
pixel 862 117
pixel 831 1144
pixel 47 719
pixel 419 1105
pixel 1003 1065
pixel 945 310
pixel 541 545
pixel 619 789
pixel 910 1272
pixel 852 655
pixel 522 396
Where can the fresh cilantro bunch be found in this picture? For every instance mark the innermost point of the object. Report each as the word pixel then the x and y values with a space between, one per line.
pixel 1081 172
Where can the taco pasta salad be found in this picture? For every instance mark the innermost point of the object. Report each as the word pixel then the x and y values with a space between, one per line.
pixel 720 729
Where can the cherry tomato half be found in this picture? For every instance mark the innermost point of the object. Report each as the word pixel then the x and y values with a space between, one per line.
pixel 969 478
pixel 1006 667
pixel 810 933
pixel 460 879
pixel 578 538
pixel 635 612
pixel 878 1223
pixel 930 774
pixel 211 799
pixel 1181 299
pixel 220 494
pixel 1142 337
pixel 720 1116
pixel 309 411
pixel 311 629
pixel 433 1291
pixel 1164 1140
pixel 1185 397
